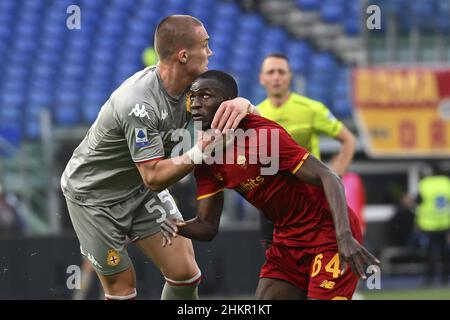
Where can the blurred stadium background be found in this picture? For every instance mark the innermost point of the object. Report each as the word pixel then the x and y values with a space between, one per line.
pixel 53 82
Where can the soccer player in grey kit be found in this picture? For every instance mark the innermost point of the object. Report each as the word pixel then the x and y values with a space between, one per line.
pixel 115 183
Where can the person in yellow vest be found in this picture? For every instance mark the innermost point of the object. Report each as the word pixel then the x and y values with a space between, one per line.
pixel 433 220
pixel 149 57
pixel 303 118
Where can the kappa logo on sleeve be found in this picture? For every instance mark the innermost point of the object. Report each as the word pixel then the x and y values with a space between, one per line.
pixel 141 137
pixel 139 111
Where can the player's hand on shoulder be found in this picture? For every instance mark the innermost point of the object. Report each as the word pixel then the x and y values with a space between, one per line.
pixel 230 113
pixel 170 229
pixel 351 252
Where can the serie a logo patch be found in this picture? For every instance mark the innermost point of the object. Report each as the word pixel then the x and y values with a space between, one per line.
pixel 141 137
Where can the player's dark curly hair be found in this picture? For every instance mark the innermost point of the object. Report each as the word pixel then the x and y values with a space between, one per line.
pixel 228 83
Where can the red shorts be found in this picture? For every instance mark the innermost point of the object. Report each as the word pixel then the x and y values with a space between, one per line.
pixel 314 269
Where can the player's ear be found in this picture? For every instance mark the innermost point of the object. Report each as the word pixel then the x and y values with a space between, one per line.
pixel 182 56
pixel 261 81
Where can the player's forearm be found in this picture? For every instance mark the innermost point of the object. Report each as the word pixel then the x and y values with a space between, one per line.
pixel 196 229
pixel 334 192
pixel 342 160
pixel 168 171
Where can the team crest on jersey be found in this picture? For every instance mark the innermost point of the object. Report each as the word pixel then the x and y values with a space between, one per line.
pixel 242 161
pixel 141 137
pixel 113 258
pixel 218 176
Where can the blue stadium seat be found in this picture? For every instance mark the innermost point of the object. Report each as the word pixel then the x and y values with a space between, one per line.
pixel 112 29
pixel 32 128
pixel 40 99
pixel 324 62
pixel 12 99
pixel 26 30
pixel 92 104
pixel 100 71
pixel 17 72
pixel 318 92
pixel 275 36
pixel 251 23
pixel 227 11
pixel 247 39
pixel 10 113
pixel 52 44
pixel 90 112
pixel 332 11
pixel 5 32
pixel 299 54
pixel 176 7
pixel 221 41
pixel 224 26
pixel 308 5
pixel 67 97
pixel 76 57
pixel 209 4
pixel 73 72
pixel 33 5
pixel 244 53
pixel 25 45
pixel 106 43
pixel 138 27
pixel 49 57
pixel 424 14
pixel 219 59
pixel 14 86
pixel 153 5
pixel 67 115
pixel 258 94
pixel 12 133
pixel 104 57
pixel 137 43
pixel 8 5
pixel 202 11
pixel 352 25
pixel 126 5
pixel 442 19
pixel 342 108
pixel 266 49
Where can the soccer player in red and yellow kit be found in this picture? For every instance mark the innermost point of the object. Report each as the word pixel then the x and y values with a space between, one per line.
pixel 317 237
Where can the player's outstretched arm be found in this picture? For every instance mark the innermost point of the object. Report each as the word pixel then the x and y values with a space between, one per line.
pixel 315 172
pixel 203 227
pixel 157 175
pixel 160 174
pixel 231 112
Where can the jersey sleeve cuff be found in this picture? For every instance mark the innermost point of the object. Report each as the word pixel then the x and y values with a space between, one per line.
pixel 149 159
pixel 209 194
pixel 300 163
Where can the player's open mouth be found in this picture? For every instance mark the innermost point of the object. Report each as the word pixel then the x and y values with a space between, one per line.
pixel 197 117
